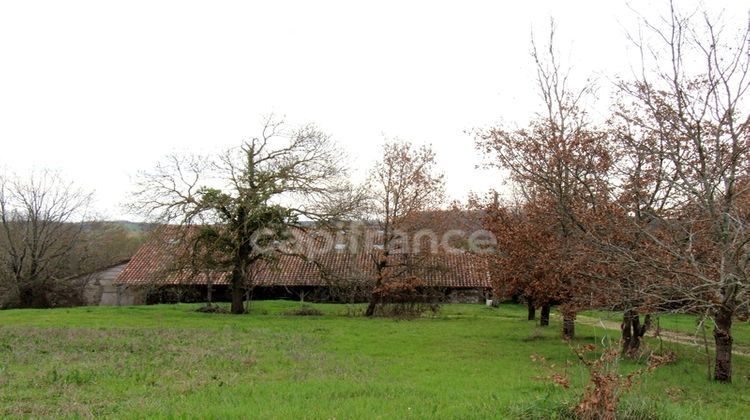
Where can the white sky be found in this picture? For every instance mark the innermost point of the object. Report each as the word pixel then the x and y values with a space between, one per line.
pixel 101 89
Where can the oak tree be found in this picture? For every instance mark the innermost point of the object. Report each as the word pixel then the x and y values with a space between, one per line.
pixel 245 200
pixel 560 161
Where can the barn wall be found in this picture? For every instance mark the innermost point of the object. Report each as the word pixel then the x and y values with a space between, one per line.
pixel 99 289
pixel 465 296
pixel 122 295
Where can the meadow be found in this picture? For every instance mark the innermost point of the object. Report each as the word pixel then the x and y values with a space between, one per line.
pixel 468 361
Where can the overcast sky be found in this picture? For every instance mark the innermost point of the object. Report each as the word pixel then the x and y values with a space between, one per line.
pixel 101 89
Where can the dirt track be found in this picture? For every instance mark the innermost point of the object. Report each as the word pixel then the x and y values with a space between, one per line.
pixel 666 335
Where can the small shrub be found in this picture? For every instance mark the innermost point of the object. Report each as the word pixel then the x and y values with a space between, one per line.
pixel 601 399
pixel 212 309
pixel 304 311
pixel 407 298
pixel 406 310
pixel 606 384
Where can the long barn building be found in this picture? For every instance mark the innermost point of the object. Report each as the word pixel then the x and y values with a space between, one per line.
pixel 154 274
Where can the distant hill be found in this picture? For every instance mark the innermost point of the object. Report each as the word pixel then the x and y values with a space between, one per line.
pixel 135 228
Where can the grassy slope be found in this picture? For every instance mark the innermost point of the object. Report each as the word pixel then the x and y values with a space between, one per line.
pixel 470 361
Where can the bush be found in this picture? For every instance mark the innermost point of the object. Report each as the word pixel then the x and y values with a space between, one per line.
pixel 407 298
pixel 406 310
pixel 212 309
pixel 606 384
pixel 602 395
pixel 304 311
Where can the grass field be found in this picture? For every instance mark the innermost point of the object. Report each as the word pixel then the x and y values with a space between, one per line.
pixel 170 361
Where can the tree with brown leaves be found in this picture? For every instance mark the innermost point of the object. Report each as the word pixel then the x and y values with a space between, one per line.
pixel 523 264
pixel 560 162
pixel 404 185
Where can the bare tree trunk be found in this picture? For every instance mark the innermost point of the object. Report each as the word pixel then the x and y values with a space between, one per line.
pixel 569 325
pixel 532 310
pixel 375 299
pixel 627 330
pixel 33 296
pixel 544 317
pixel 723 338
pixel 238 293
pixel 26 297
pixel 238 301
pixel 371 307
pixel 633 332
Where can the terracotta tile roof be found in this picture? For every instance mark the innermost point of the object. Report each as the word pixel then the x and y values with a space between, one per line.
pixel 153 265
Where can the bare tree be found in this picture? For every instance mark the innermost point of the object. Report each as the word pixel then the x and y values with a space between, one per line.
pixel 41 237
pixel 642 192
pixel 246 199
pixel 692 95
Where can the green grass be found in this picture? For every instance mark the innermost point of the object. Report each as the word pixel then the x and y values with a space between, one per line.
pixel 469 361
